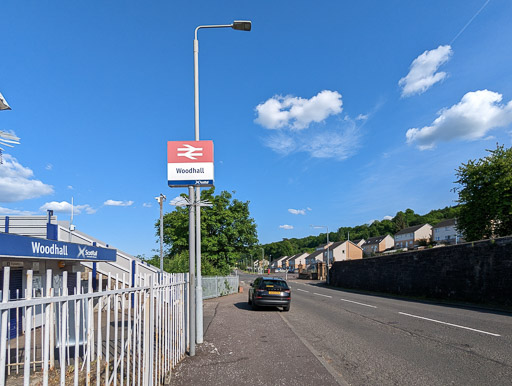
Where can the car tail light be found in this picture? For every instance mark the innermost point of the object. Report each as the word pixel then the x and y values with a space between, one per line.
pixel 260 291
pixel 287 291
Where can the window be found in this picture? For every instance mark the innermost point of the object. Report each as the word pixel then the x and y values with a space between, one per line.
pixel 281 284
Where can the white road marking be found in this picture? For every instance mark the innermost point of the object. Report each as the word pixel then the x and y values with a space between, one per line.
pixel 327 296
pixel 449 324
pixel 361 304
pixel 298 289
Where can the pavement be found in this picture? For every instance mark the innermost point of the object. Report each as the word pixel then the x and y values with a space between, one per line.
pixel 243 347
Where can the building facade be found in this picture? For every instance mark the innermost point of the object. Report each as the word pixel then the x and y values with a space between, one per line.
pixel 446 232
pixel 378 244
pixel 411 236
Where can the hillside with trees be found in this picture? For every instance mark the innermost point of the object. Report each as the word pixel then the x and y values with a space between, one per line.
pixel 407 218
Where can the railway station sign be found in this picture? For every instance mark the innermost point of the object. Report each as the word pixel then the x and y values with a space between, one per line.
pixel 189 163
pixel 17 246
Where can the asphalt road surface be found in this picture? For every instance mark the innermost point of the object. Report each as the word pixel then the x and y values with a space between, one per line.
pixel 377 340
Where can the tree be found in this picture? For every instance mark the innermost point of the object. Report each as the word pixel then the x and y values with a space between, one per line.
pixel 400 221
pixel 227 231
pixel 485 195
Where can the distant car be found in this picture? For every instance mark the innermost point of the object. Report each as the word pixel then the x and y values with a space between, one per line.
pixel 269 291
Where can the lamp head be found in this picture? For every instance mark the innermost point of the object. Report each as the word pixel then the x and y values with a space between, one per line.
pixel 241 25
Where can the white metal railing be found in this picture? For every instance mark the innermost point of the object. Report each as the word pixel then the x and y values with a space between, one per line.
pixel 117 335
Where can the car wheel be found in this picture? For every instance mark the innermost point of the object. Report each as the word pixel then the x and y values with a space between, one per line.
pixel 249 300
pixel 286 308
pixel 254 306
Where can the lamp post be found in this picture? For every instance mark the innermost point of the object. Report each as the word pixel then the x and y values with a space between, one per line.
pixel 328 257
pixel 240 25
pixel 161 198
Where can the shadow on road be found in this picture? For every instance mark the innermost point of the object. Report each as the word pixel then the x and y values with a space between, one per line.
pixel 484 308
pixel 246 307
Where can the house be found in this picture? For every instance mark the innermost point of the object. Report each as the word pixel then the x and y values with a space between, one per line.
pixel 315 257
pixel 285 264
pixel 359 242
pixel 378 244
pixel 446 232
pixel 409 237
pixel 342 251
pixel 296 260
pixel 278 262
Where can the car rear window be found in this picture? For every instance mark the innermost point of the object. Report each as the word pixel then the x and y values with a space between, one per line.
pixel 274 284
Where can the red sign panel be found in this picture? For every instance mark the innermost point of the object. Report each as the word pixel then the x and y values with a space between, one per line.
pixel 189 151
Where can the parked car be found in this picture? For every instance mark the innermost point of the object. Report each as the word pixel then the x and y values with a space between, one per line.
pixel 269 291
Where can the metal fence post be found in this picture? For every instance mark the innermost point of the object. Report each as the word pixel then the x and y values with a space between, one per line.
pixel 62 325
pixel 47 328
pixel 3 332
pixel 28 330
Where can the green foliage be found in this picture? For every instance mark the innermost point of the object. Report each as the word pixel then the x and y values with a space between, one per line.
pixel 227 232
pixel 485 195
pixel 179 264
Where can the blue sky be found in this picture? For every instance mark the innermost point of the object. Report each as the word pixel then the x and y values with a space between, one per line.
pixel 326 113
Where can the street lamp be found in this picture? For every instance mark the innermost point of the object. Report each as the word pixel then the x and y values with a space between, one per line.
pixel 328 259
pixel 161 198
pixel 240 25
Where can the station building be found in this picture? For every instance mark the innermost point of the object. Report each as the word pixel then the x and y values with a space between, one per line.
pixel 40 243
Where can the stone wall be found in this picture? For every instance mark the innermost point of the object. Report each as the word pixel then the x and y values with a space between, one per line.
pixel 479 272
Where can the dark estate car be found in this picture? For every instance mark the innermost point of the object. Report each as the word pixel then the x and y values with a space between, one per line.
pixel 269 291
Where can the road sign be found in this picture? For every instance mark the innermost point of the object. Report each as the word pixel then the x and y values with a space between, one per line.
pixel 190 163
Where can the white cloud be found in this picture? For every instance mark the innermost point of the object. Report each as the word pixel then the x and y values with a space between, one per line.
pixel 388 218
pixel 296 112
pixel 308 208
pixel 117 203
pixel 339 143
pixel 297 211
pixel 470 119
pixel 422 74
pixel 49 167
pixel 65 207
pixel 16 183
pixel 286 226
pixel 15 212
pixel 362 117
pixel 146 205
pixel 70 187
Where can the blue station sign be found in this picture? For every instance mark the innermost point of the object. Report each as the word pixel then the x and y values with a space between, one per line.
pixel 12 245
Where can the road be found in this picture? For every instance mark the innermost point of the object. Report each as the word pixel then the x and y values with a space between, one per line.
pixel 377 340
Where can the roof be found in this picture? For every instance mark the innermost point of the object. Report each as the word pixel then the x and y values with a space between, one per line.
pixel 339 243
pixel 411 229
pixel 446 223
pixel 375 240
pixel 324 246
pixel 300 254
pixel 315 254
